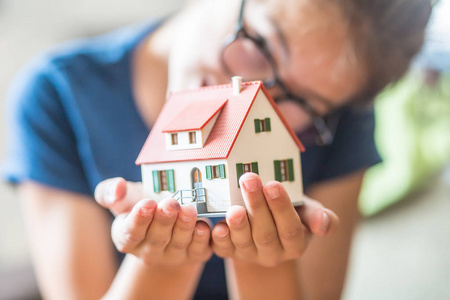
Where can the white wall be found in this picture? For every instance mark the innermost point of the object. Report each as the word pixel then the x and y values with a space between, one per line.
pixel 264 148
pixel 217 190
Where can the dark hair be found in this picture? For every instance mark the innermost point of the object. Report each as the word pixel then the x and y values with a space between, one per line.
pixel 387 34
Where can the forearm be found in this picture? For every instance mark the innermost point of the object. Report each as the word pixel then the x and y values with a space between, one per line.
pixel 135 280
pixel 324 263
pixel 252 281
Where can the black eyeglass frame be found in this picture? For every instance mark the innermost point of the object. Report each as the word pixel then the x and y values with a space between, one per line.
pixel 325 134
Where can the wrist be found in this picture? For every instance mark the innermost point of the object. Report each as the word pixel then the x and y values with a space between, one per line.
pixel 161 268
pixel 137 280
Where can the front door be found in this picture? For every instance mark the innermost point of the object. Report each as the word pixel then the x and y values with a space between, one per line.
pixel 197 184
pixel 196 178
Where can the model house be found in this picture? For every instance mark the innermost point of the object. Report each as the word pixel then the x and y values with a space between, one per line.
pixel 205 139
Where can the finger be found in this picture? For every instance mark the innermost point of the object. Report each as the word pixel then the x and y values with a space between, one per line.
pixel 118 195
pixel 288 223
pixel 240 231
pixel 159 233
pixel 264 232
pixel 183 229
pixel 319 220
pixel 199 248
pixel 222 245
pixel 131 230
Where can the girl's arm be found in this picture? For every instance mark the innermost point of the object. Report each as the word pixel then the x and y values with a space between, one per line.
pixel 321 270
pixel 136 280
pixel 324 264
pixel 265 242
pixel 70 240
pixel 250 281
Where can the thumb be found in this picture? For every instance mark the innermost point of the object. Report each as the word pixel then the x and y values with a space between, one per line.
pixel 118 195
pixel 320 220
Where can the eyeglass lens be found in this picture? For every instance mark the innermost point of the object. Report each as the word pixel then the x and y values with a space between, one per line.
pixel 243 57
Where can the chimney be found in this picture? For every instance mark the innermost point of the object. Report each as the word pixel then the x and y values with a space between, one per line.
pixel 236 80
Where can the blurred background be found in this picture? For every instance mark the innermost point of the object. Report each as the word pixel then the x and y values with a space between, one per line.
pixel 401 250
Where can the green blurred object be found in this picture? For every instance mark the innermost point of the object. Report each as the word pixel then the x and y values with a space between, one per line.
pixel 413 137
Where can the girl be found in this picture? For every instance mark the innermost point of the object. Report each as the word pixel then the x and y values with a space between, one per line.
pixel 80 114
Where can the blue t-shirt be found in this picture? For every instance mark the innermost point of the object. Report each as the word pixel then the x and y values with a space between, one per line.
pixel 72 122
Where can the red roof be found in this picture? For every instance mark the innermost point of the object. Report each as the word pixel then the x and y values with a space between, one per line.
pixel 194 115
pixel 224 133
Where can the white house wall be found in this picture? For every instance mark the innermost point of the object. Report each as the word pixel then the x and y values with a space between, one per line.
pixel 217 190
pixel 264 148
pixel 183 140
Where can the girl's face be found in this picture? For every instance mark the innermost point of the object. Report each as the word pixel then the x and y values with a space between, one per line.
pixel 309 42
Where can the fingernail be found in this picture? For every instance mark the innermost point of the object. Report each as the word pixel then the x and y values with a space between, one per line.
pixel 222 235
pixel 200 232
pixel 146 212
pixel 251 185
pixel 325 223
pixel 110 191
pixel 273 191
pixel 171 209
pixel 185 218
pixel 237 220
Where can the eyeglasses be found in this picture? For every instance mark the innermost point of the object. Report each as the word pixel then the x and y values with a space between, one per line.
pixel 249 56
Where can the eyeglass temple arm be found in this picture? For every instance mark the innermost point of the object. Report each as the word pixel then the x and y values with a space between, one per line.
pixel 240 23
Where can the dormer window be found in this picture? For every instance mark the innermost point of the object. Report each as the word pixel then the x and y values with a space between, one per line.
pixel 174 137
pixel 192 137
pixel 262 125
pixel 192 124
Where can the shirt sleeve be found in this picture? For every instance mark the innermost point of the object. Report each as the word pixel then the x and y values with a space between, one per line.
pixel 353 148
pixel 41 144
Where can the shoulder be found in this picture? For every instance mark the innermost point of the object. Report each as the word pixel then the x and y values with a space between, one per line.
pixel 67 65
pixel 102 50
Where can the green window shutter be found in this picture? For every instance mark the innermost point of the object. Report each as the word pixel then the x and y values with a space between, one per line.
pixel 156 187
pixel 257 126
pixel 290 163
pixel 222 171
pixel 267 121
pixel 255 168
pixel 239 172
pixel 209 172
pixel 170 181
pixel 276 165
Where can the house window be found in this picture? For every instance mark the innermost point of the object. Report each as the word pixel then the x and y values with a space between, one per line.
pixel 284 170
pixel 217 171
pixel 262 125
pixel 163 180
pixel 192 138
pixel 244 168
pixel 174 138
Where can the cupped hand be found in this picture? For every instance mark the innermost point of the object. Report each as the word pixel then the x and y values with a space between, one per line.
pixel 271 231
pixel 163 233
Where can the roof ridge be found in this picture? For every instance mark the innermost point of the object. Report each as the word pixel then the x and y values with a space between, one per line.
pixel 215 87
